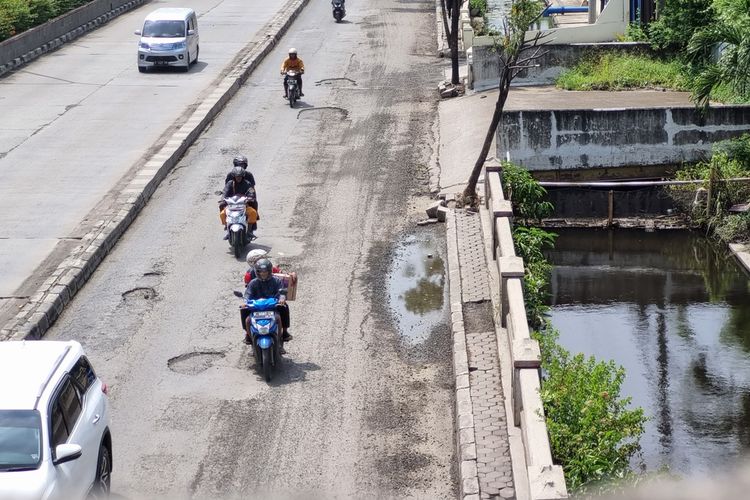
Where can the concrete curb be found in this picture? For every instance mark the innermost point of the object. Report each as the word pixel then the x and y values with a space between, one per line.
pixel 69 36
pixel 466 449
pixel 46 305
pixel 742 253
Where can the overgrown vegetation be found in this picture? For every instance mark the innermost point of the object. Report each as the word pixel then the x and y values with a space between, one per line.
pixel 477 8
pixel 593 432
pixel 624 71
pixel 710 207
pixel 17 16
pixel 702 46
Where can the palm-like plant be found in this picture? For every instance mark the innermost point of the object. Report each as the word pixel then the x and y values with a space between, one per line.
pixel 732 69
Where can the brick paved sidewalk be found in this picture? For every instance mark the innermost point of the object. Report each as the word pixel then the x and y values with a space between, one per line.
pixel 493 462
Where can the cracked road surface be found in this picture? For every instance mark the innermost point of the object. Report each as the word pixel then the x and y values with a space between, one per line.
pixel 354 412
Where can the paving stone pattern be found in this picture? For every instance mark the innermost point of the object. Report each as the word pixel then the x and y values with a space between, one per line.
pixel 475 285
pixel 494 466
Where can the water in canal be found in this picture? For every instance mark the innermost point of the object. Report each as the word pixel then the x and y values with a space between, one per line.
pixel 675 312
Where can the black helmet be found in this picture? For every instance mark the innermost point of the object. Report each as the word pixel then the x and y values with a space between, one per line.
pixel 240 161
pixel 238 172
pixel 263 265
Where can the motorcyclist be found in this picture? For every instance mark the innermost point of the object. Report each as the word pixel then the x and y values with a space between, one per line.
pixel 254 256
pixel 237 186
pixel 267 286
pixel 241 161
pixel 293 63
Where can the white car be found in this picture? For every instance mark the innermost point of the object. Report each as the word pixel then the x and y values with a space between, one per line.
pixel 54 423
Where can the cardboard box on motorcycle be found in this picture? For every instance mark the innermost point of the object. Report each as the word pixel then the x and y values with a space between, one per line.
pixel 289 281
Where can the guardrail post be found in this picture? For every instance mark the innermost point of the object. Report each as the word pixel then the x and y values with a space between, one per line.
pixel 526 355
pixel 510 267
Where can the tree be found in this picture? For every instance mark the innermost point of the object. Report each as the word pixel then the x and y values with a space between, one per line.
pixel 731 33
pixel 452 11
pixel 516 54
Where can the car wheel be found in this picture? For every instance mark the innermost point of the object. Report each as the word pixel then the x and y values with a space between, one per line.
pixel 187 66
pixel 103 476
pixel 142 69
pixel 197 53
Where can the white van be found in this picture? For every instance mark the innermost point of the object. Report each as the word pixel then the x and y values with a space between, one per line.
pixel 169 38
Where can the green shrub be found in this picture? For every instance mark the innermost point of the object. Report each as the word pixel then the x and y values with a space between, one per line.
pixel 677 22
pixel 6 25
pixel 623 71
pixel 42 10
pixel 733 228
pixel 530 243
pixel 477 8
pixel 736 149
pixel 634 33
pixel 19 14
pixel 525 193
pixel 593 433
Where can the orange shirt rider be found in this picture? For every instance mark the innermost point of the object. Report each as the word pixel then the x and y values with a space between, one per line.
pixel 294 63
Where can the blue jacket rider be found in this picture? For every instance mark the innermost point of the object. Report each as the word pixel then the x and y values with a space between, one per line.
pixel 268 286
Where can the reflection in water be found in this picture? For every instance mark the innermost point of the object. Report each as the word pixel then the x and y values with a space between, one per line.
pixel 675 312
pixel 417 288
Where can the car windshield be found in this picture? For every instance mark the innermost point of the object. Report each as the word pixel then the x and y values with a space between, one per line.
pixel 164 29
pixel 20 439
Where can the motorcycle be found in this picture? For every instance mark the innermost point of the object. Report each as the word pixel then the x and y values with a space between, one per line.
pixel 237 224
pixel 292 87
pixel 265 334
pixel 338 10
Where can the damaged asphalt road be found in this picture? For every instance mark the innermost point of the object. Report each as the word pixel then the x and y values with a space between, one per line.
pixel 357 410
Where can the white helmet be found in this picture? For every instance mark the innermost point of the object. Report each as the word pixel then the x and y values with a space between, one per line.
pixel 254 255
pixel 292 51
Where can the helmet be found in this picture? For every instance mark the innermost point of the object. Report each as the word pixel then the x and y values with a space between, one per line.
pixel 238 172
pixel 254 255
pixel 263 265
pixel 292 51
pixel 240 161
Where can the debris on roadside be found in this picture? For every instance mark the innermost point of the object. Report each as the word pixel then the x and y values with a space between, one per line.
pixel 427 222
pixel 447 89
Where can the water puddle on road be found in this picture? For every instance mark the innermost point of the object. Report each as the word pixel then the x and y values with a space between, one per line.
pixel 416 287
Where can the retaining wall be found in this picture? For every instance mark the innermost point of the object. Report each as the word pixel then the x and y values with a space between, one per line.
pixel 32 43
pixel 485 66
pixel 591 138
pixel 546 480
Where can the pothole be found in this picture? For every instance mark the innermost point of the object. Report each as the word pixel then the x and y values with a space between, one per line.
pixel 326 109
pixel 141 292
pixel 193 363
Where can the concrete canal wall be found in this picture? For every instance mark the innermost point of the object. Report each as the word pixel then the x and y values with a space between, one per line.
pixel 595 138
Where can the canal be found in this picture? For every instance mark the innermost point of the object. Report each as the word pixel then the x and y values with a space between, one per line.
pixel 674 311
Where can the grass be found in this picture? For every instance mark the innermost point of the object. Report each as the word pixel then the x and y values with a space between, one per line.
pixel 623 72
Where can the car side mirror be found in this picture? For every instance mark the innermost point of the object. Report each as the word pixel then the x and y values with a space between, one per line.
pixel 66 453
pixel 238 294
pixel 137 32
pixel 191 32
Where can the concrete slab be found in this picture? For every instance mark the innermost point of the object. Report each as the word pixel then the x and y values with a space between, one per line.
pixel 18 259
